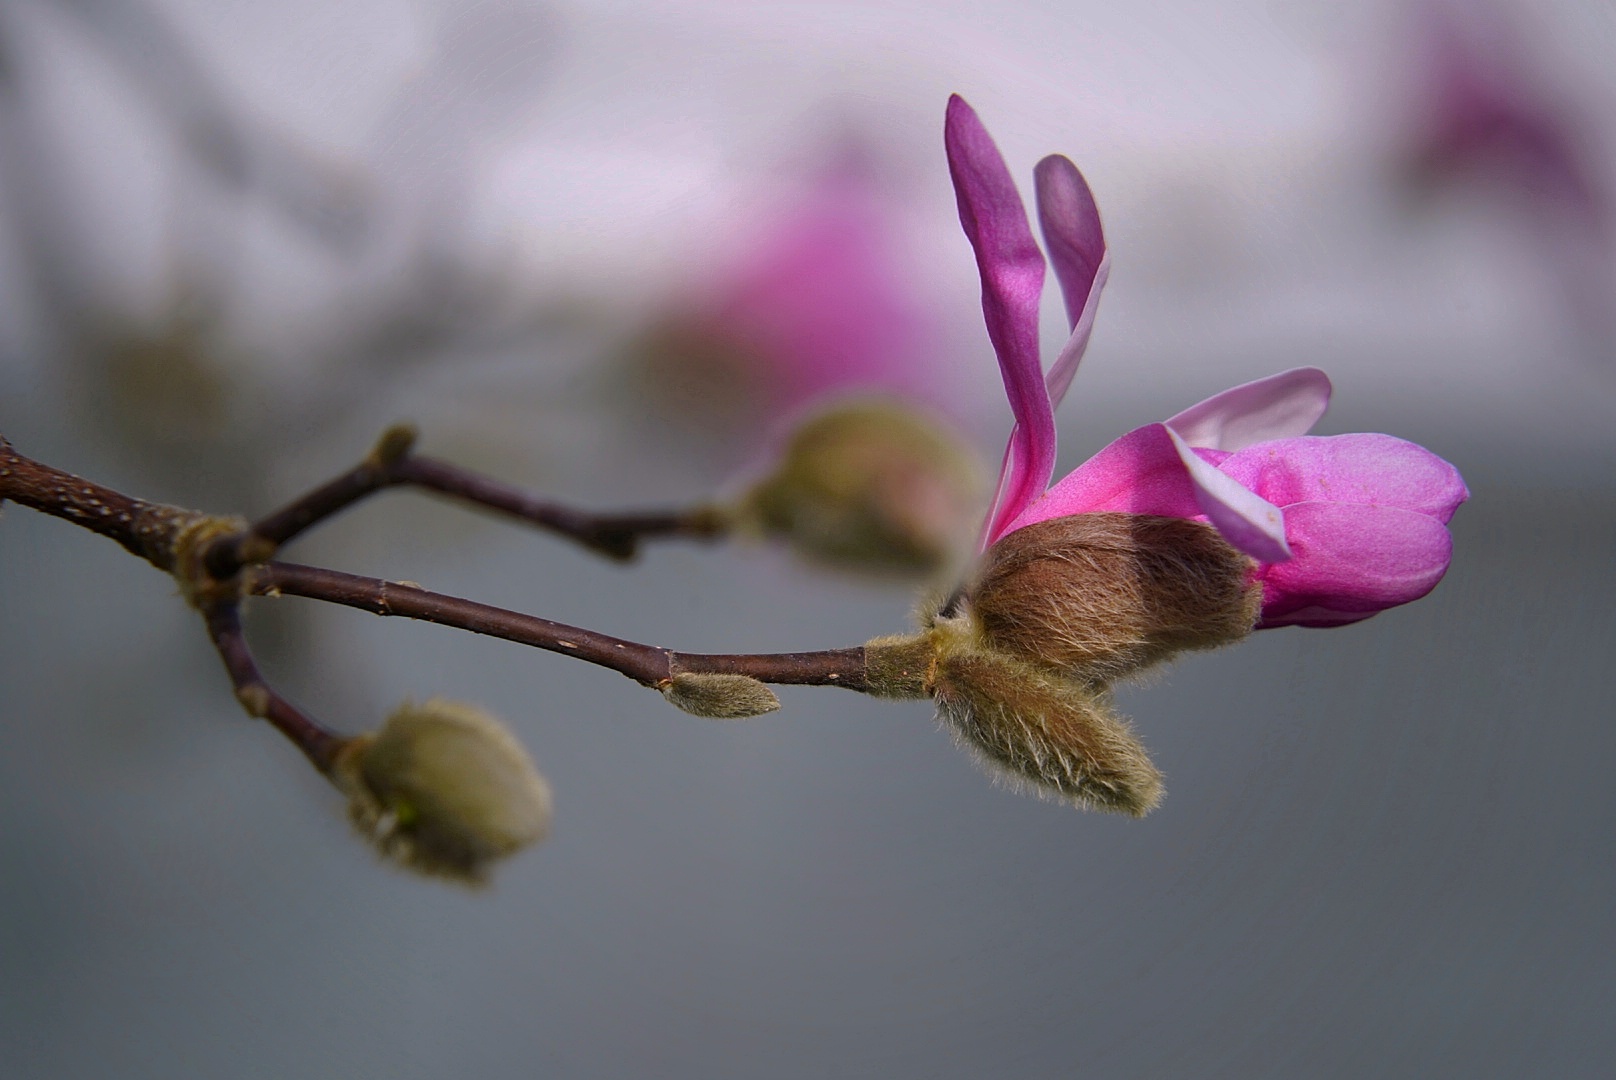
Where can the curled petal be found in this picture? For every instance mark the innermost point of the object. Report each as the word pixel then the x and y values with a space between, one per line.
pixel 1140 473
pixel 1352 561
pixel 1367 469
pixel 1249 522
pixel 1070 221
pixel 1071 225
pixel 1279 407
pixel 1012 270
pixel 1065 366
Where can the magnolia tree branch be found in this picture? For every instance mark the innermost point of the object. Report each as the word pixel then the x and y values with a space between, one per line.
pixel 393 464
pixel 219 561
pixel 319 745
pixel 647 665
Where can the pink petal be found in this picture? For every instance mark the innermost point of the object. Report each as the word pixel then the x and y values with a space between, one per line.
pixel 1249 522
pixel 1065 366
pixel 1012 270
pixel 1071 225
pixel 1367 469
pixel 1352 561
pixel 1140 473
pixel 1279 407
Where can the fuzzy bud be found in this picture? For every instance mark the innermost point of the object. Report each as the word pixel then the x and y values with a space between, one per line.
pixel 444 789
pixel 1102 596
pixel 718 696
pixel 869 486
pixel 1031 726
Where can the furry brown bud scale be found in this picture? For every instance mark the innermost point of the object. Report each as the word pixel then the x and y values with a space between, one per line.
pixel 1103 596
pixel 1020 660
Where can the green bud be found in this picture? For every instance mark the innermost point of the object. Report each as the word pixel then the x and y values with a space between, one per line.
pixel 718 696
pixel 444 789
pixel 870 486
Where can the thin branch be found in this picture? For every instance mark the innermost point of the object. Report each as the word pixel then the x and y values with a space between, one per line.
pixel 648 665
pixel 391 464
pixel 170 538
pixel 144 528
pixel 319 745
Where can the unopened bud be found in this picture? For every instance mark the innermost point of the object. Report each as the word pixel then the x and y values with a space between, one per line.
pixel 718 696
pixel 444 789
pixel 1099 597
pixel 1045 733
pixel 1035 727
pixel 870 486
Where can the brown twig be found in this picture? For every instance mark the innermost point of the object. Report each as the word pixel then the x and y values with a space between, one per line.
pixel 319 745
pixel 146 529
pixel 648 665
pixel 392 464
pixel 159 534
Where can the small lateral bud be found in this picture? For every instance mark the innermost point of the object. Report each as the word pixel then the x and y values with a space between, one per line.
pixel 395 442
pixel 719 696
pixel 1101 596
pixel 870 486
pixel 444 789
pixel 1044 733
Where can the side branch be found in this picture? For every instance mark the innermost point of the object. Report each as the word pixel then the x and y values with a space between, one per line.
pixel 224 628
pixel 647 665
pixel 392 464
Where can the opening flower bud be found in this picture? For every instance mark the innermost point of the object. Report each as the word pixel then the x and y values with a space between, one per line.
pixel 870 486
pixel 444 789
pixel 1102 596
pixel 718 696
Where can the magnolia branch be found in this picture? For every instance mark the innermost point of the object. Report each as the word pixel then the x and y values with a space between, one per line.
pixel 392 463
pixel 647 665
pixel 218 562
pixel 224 628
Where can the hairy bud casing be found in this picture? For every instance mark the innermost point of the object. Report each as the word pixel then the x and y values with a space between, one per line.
pixel 1030 725
pixel 1020 659
pixel 444 789
pixel 718 696
pixel 872 487
pixel 1103 596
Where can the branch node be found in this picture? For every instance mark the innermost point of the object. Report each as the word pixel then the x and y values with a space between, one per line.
pixel 189 545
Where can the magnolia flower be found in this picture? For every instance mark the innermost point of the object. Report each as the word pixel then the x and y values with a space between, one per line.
pixel 1339 527
pixel 1179 535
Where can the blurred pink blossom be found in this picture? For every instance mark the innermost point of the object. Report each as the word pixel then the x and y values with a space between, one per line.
pixel 1484 111
pixel 817 302
pixel 1340 527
